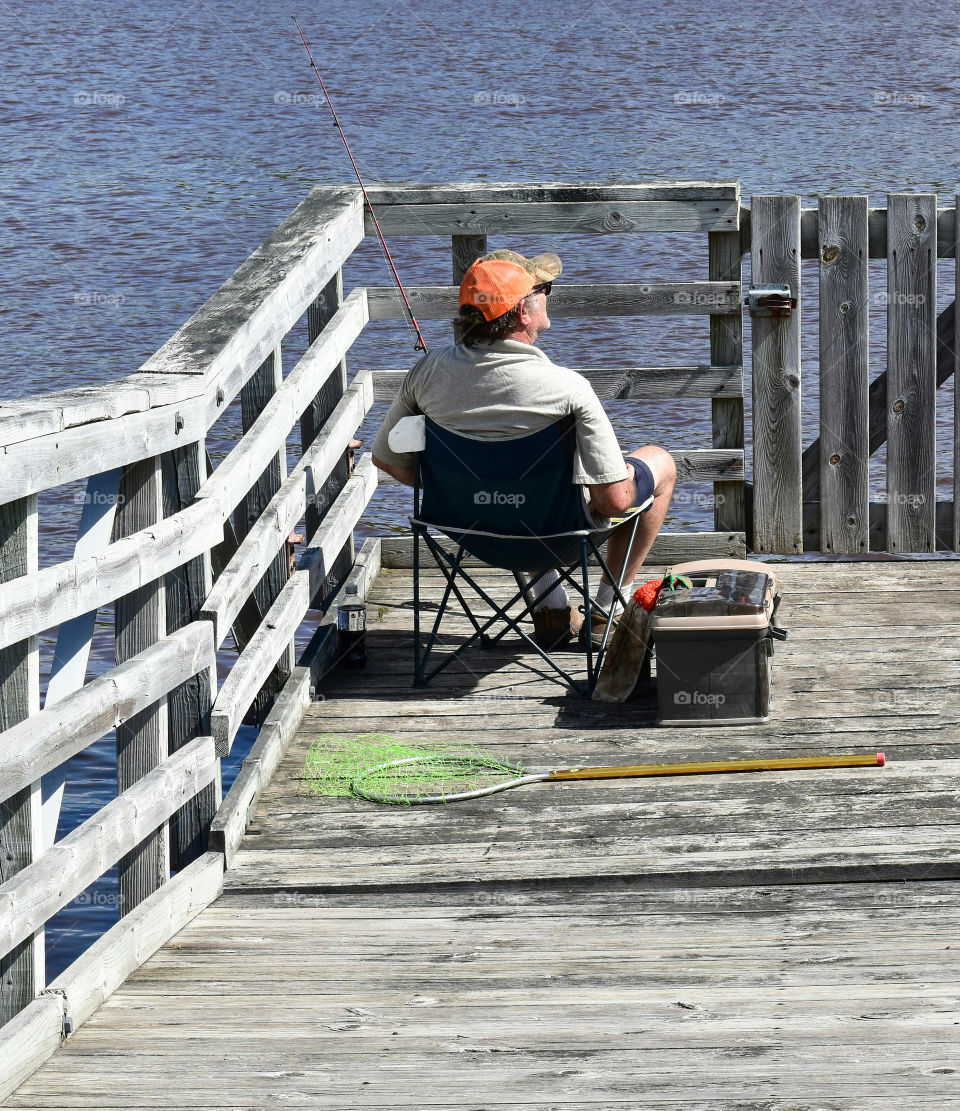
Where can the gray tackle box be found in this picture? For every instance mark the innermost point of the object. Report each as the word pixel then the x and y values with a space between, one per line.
pixel 714 643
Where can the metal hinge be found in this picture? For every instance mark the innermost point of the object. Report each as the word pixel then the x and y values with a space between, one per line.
pixel 770 300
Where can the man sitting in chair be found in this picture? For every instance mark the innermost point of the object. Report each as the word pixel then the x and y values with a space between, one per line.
pixel 496 385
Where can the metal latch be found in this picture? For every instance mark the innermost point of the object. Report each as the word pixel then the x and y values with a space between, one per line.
pixel 770 300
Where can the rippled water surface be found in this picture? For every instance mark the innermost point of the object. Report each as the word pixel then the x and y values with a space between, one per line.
pixel 148 148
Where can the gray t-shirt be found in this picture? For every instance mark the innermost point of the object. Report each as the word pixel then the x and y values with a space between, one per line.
pixel 502 391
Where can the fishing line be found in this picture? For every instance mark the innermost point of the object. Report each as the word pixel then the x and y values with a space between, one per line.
pixel 421 343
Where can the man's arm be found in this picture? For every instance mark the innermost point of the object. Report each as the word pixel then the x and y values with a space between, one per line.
pixel 613 499
pixel 401 474
pixel 397 464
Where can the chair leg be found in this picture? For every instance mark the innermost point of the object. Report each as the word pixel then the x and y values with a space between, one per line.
pixel 617 590
pixel 587 614
pixel 441 557
pixel 501 614
pixel 419 660
pixel 452 581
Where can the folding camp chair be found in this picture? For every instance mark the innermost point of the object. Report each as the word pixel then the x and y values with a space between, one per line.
pixel 512 504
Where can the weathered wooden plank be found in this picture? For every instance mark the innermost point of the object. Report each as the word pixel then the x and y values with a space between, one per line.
pixel 233 817
pixel 34 747
pixel 695 465
pixel 76 993
pixel 597 1078
pixel 26 418
pixel 21 832
pixel 142 740
pixel 297 818
pixel 189 703
pixel 726 348
pixel 265 437
pixel 777 494
pixel 73 863
pixel 878 402
pixel 877 515
pixel 620 383
pixel 27 1040
pixel 877 242
pixel 911 371
pixel 551 191
pixel 956 391
pixel 899 817
pixel 241 685
pixel 72 652
pixel 575 300
pixel 255 396
pixel 676 547
pixel 738 858
pixel 706 464
pixel 270 532
pixel 220 346
pixel 52 460
pixel 102 968
pixel 522 217
pixel 320 496
pixel 844 375
pixel 42 600
pixel 32 604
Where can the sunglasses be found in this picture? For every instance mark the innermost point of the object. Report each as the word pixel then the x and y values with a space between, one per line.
pixel 543 288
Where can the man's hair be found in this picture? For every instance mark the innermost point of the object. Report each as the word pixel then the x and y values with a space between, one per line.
pixel 474 329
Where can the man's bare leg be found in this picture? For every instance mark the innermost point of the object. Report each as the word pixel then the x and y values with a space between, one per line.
pixel 664 471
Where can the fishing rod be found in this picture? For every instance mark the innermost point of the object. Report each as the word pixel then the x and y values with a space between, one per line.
pixel 421 343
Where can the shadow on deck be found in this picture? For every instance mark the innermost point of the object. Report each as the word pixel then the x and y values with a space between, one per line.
pixel 758 941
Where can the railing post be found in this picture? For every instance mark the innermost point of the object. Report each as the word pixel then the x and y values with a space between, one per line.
pixel 253 397
pixel 140 618
pixel 911 372
pixel 189 705
pixel 777 486
pixel 726 349
pixel 74 637
pixel 844 375
pixel 313 419
pixel 22 975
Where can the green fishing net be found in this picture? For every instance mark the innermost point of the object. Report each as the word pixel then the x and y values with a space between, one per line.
pixel 429 768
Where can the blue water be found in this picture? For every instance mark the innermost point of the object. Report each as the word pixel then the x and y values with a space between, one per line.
pixel 148 148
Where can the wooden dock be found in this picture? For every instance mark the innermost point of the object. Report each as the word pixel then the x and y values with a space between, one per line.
pixel 752 943
pixel 766 941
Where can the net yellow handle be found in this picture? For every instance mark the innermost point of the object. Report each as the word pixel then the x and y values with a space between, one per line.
pixel 712 767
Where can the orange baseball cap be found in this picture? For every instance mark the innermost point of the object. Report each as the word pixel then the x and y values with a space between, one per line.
pixel 497 282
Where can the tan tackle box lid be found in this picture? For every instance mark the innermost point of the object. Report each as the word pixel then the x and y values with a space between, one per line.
pixel 727 595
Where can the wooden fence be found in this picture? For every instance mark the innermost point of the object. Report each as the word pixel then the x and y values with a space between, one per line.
pixel 818 498
pixel 185 552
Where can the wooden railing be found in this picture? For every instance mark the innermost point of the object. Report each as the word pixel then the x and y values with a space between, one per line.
pixel 187 552
pixel 469 213
pixel 819 498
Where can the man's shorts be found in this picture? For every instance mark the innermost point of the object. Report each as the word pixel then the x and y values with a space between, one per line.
pixel 645 482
